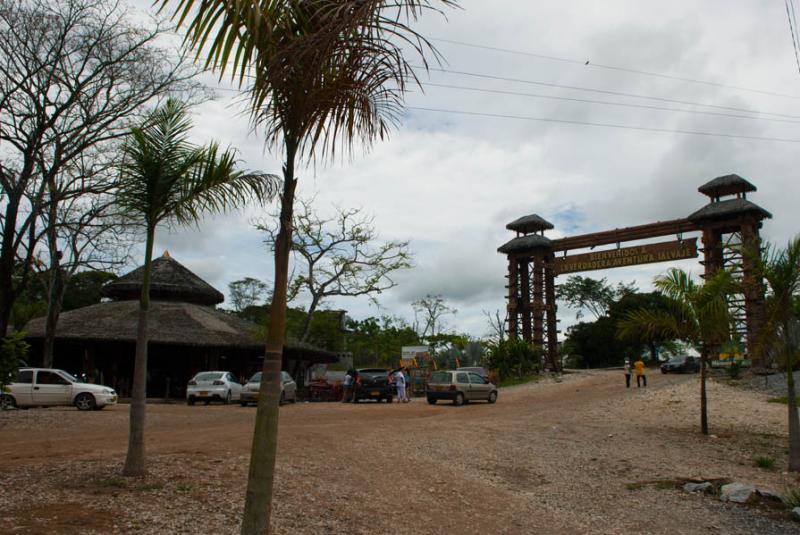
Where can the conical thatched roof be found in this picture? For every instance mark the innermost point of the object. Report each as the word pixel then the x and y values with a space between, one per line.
pixel 728 208
pixel 168 323
pixel 169 281
pixel 525 243
pixel 726 185
pixel 529 223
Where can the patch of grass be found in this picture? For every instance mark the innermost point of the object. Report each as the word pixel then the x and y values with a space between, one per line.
pixel 764 461
pixel 511 381
pixel 118 482
pixel 184 487
pixel 150 486
pixel 792 497
pixel 634 486
pixel 782 400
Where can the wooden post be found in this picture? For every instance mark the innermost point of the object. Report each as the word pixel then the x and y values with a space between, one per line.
pixel 550 306
pixel 512 308
pixel 538 301
pixel 525 298
pixel 753 287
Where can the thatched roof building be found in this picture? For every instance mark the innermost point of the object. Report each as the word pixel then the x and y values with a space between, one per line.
pixel 186 334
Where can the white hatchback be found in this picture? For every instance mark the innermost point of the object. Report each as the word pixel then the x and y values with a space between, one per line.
pixel 41 387
pixel 213 386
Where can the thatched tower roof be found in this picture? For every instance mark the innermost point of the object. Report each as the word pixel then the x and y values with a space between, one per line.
pixel 728 208
pixel 726 185
pixel 169 281
pixel 169 322
pixel 525 243
pixel 529 223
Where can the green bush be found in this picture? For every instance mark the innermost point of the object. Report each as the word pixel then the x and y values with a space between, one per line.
pixel 13 352
pixel 513 359
pixel 765 462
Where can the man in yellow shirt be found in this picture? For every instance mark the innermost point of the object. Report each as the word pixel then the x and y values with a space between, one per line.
pixel 640 376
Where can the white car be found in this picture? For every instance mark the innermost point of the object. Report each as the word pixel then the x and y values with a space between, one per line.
pixel 41 387
pixel 251 389
pixel 213 386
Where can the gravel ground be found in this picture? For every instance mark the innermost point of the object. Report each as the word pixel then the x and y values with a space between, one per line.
pixel 578 455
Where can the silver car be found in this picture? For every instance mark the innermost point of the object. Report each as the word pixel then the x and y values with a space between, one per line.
pixel 250 391
pixel 47 387
pixel 213 386
pixel 459 387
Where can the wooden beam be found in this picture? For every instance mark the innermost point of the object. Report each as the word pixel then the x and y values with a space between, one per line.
pixel 639 232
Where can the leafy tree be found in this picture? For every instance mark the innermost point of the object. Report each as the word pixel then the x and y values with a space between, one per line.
pixel 432 308
pixel 781 333
pixel 596 343
pixel 72 75
pixel 695 313
pixel 338 257
pixel 326 75
pixel 629 302
pixel 247 292
pixel 379 340
pixel 165 178
pixel 13 353
pixel 585 293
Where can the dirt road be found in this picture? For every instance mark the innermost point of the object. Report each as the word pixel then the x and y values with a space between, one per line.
pixel 553 457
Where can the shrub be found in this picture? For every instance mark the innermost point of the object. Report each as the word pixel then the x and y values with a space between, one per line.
pixel 13 352
pixel 513 358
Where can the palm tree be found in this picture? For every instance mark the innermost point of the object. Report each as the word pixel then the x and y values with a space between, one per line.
pixel 165 178
pixel 695 313
pixel 322 74
pixel 781 334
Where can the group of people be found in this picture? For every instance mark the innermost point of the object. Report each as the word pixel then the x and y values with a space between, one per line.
pixel 641 377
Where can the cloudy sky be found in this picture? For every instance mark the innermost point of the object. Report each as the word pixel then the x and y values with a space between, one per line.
pixel 449 182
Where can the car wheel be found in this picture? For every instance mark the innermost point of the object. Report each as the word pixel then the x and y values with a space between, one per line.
pixel 7 402
pixel 227 399
pixel 432 401
pixel 663 371
pixel 190 401
pixel 492 397
pixel 243 403
pixel 459 400
pixel 207 402
pixel 85 402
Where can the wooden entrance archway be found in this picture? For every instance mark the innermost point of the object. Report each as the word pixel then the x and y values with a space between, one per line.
pixel 727 225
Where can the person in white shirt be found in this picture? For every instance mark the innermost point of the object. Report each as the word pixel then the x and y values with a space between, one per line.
pixel 400 383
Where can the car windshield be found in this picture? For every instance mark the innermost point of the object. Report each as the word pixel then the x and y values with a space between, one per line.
pixel 256 378
pixel 440 377
pixel 208 376
pixel 677 360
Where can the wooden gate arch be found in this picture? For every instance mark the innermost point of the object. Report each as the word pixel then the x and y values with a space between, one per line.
pixel 726 225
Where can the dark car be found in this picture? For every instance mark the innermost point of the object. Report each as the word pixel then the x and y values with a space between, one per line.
pixel 683 364
pixel 374 384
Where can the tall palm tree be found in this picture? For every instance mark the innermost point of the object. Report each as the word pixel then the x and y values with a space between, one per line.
pixel 781 334
pixel 695 313
pixel 165 178
pixel 322 75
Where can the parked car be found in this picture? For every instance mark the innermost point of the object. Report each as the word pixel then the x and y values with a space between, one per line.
pixel 480 370
pixel 48 386
pixel 459 387
pixel 250 390
pixel 684 364
pixel 213 386
pixel 374 384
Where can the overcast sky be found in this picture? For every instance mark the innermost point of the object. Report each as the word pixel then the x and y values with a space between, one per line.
pixel 449 183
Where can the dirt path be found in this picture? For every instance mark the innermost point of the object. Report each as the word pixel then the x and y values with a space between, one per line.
pixel 554 457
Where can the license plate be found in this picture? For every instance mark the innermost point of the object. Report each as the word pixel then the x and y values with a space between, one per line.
pixel 202 394
pixel 376 393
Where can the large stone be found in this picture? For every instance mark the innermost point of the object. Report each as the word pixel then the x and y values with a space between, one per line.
pixel 705 486
pixel 770 496
pixel 796 513
pixel 737 493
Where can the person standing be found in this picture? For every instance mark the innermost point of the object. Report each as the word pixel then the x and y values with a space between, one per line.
pixel 400 383
pixel 347 387
pixel 407 378
pixel 641 378
pixel 627 369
